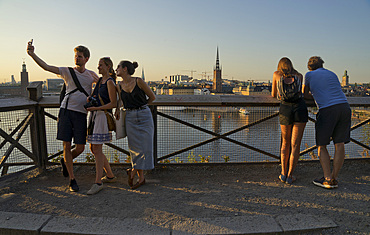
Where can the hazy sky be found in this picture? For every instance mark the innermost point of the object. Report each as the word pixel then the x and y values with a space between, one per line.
pixel 169 37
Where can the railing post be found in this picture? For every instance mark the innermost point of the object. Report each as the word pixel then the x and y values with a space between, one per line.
pixel 35 91
pixel 153 108
pixel 38 130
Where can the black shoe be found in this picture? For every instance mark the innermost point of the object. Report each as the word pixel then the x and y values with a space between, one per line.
pixel 329 184
pixel 64 168
pixel 73 187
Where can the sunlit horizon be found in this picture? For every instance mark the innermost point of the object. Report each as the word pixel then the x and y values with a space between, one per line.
pixel 177 37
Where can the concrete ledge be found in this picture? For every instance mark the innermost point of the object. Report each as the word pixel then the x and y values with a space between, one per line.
pixel 25 223
pixel 21 223
pixel 96 225
pixel 301 222
pixel 229 225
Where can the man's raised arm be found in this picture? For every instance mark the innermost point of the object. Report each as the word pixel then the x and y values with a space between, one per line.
pixel 40 62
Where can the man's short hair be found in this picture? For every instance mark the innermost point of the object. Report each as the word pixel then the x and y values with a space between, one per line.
pixel 84 51
pixel 315 62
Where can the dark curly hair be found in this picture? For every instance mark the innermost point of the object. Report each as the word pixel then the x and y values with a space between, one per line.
pixel 315 62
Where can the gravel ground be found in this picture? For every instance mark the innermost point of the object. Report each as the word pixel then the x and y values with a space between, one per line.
pixel 174 193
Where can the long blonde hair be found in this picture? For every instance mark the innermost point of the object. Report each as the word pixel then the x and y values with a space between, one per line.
pixel 285 66
pixel 108 62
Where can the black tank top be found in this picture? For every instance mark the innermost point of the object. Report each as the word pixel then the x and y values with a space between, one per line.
pixel 102 90
pixel 135 99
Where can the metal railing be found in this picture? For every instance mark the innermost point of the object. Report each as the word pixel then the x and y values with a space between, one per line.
pixel 188 129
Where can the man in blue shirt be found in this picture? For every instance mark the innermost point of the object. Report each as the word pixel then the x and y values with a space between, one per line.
pixel 332 121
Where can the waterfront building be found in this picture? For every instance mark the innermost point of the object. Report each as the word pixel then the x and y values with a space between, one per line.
pixel 253 90
pixel 345 79
pixel 346 88
pixel 181 90
pixel 176 79
pixel 202 91
pixel 175 90
pixel 217 79
pixel 54 84
pixel 24 80
pixel 162 89
pixel 10 91
pixel 16 89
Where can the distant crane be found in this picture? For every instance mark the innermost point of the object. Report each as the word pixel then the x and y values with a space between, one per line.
pixel 204 74
pixel 191 72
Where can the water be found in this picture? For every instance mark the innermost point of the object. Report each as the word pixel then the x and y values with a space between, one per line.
pixel 173 136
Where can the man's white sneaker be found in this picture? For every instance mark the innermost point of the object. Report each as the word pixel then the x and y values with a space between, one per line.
pixel 95 189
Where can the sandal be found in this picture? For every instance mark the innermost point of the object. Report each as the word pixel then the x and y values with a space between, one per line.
pixel 282 178
pixel 290 180
pixel 130 180
pixel 138 184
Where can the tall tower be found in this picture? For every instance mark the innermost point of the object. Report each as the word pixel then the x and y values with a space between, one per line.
pixel 217 80
pixel 345 79
pixel 24 80
pixel 13 80
pixel 142 74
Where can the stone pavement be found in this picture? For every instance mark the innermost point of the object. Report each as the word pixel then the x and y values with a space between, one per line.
pixel 180 199
pixel 27 223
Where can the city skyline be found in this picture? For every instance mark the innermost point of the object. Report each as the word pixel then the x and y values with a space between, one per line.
pixel 176 37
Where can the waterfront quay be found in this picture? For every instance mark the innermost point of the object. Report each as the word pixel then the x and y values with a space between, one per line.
pixel 189 199
pixel 199 186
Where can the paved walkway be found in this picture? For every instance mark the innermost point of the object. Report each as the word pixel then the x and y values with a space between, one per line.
pixel 27 223
pixel 227 199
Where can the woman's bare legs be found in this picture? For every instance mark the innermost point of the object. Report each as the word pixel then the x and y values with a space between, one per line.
pixel 296 138
pixel 286 134
pixel 101 163
pixel 140 174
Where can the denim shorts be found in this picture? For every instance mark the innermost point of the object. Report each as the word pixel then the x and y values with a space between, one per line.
pixel 72 124
pixel 333 121
pixel 290 113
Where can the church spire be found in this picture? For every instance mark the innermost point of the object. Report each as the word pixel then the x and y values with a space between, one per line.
pixel 217 79
pixel 217 61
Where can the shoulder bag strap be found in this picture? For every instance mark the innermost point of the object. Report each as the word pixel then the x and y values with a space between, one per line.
pixel 77 82
pixel 119 94
pixel 279 86
pixel 101 100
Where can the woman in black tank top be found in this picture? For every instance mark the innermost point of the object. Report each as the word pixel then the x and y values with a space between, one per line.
pixel 135 95
pixel 293 117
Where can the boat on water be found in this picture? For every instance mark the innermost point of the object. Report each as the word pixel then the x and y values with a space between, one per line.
pixel 171 108
pixel 244 111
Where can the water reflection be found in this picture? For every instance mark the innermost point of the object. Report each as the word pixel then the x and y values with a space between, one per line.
pixel 173 136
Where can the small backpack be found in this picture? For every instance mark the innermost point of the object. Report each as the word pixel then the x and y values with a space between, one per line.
pixel 289 92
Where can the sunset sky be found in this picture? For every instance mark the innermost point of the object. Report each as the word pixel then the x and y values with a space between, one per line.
pixel 169 37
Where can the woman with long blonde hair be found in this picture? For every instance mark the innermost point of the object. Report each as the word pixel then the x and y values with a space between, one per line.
pixel 103 99
pixel 293 115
